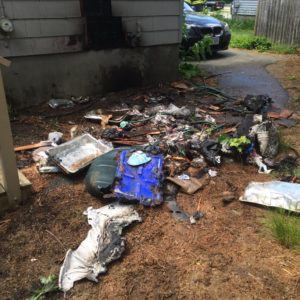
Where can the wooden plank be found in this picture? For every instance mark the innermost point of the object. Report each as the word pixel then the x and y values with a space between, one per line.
pixel 32 146
pixel 23 181
pixel 25 186
pixel 7 156
pixel 2 191
pixel 5 62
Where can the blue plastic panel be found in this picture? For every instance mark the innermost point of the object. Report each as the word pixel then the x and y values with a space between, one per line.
pixel 142 183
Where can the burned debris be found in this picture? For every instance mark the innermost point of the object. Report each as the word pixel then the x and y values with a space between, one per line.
pixel 150 150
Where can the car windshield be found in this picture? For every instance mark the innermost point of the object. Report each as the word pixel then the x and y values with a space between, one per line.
pixel 186 7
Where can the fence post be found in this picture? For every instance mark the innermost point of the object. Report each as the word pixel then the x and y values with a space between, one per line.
pixel 7 155
pixel 279 20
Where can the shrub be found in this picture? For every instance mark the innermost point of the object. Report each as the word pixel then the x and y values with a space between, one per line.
pixel 235 23
pixel 251 42
pixel 198 51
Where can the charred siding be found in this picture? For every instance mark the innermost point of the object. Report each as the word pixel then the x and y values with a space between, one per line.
pixel 57 26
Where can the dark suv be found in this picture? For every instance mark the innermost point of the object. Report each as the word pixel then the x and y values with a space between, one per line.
pixel 198 26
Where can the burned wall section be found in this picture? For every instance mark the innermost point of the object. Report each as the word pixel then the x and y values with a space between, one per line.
pixel 35 79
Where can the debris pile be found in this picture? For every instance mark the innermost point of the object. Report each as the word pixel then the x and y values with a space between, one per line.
pixel 150 151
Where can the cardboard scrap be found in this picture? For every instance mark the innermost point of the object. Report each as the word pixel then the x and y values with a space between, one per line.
pixel 284 114
pixel 191 185
pixel 180 85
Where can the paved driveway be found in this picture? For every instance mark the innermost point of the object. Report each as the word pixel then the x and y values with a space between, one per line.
pixel 247 74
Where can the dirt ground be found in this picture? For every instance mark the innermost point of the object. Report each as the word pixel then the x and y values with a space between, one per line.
pixel 227 255
pixel 287 71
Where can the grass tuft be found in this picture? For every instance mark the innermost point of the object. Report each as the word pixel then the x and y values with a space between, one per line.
pixel 285 49
pixel 285 228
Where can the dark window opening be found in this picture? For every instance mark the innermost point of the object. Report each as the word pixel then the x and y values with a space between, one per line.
pixel 102 29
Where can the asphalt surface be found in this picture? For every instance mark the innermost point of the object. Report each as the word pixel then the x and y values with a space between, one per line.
pixel 244 73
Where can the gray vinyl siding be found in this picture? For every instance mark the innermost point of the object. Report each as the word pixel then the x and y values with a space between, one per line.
pixel 56 26
pixel 246 7
pixel 42 27
pixel 160 21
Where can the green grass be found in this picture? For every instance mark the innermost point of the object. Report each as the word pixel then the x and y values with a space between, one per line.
pixel 285 228
pixel 285 49
pixel 291 77
pixel 247 40
pixel 242 31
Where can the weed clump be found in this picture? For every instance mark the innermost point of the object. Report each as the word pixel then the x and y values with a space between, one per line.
pixel 188 71
pixel 235 23
pixel 252 42
pixel 285 228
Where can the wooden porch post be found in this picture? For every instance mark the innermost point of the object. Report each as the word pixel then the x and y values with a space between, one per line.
pixel 7 154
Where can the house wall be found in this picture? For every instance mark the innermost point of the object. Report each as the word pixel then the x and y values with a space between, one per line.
pixel 42 27
pixel 244 7
pixel 35 79
pixel 159 21
pixel 48 60
pixel 56 26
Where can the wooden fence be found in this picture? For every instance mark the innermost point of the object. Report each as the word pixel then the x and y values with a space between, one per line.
pixel 279 20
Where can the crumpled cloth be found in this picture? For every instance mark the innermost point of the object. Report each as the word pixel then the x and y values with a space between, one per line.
pixel 102 245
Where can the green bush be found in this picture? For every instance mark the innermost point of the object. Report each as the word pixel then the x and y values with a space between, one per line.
pixel 198 51
pixel 235 23
pixel 251 42
pixel 240 24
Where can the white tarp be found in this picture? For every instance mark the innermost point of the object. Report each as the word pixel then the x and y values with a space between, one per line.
pixel 102 245
pixel 275 194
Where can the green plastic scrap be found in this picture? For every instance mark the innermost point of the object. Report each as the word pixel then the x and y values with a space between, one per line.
pixel 236 143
